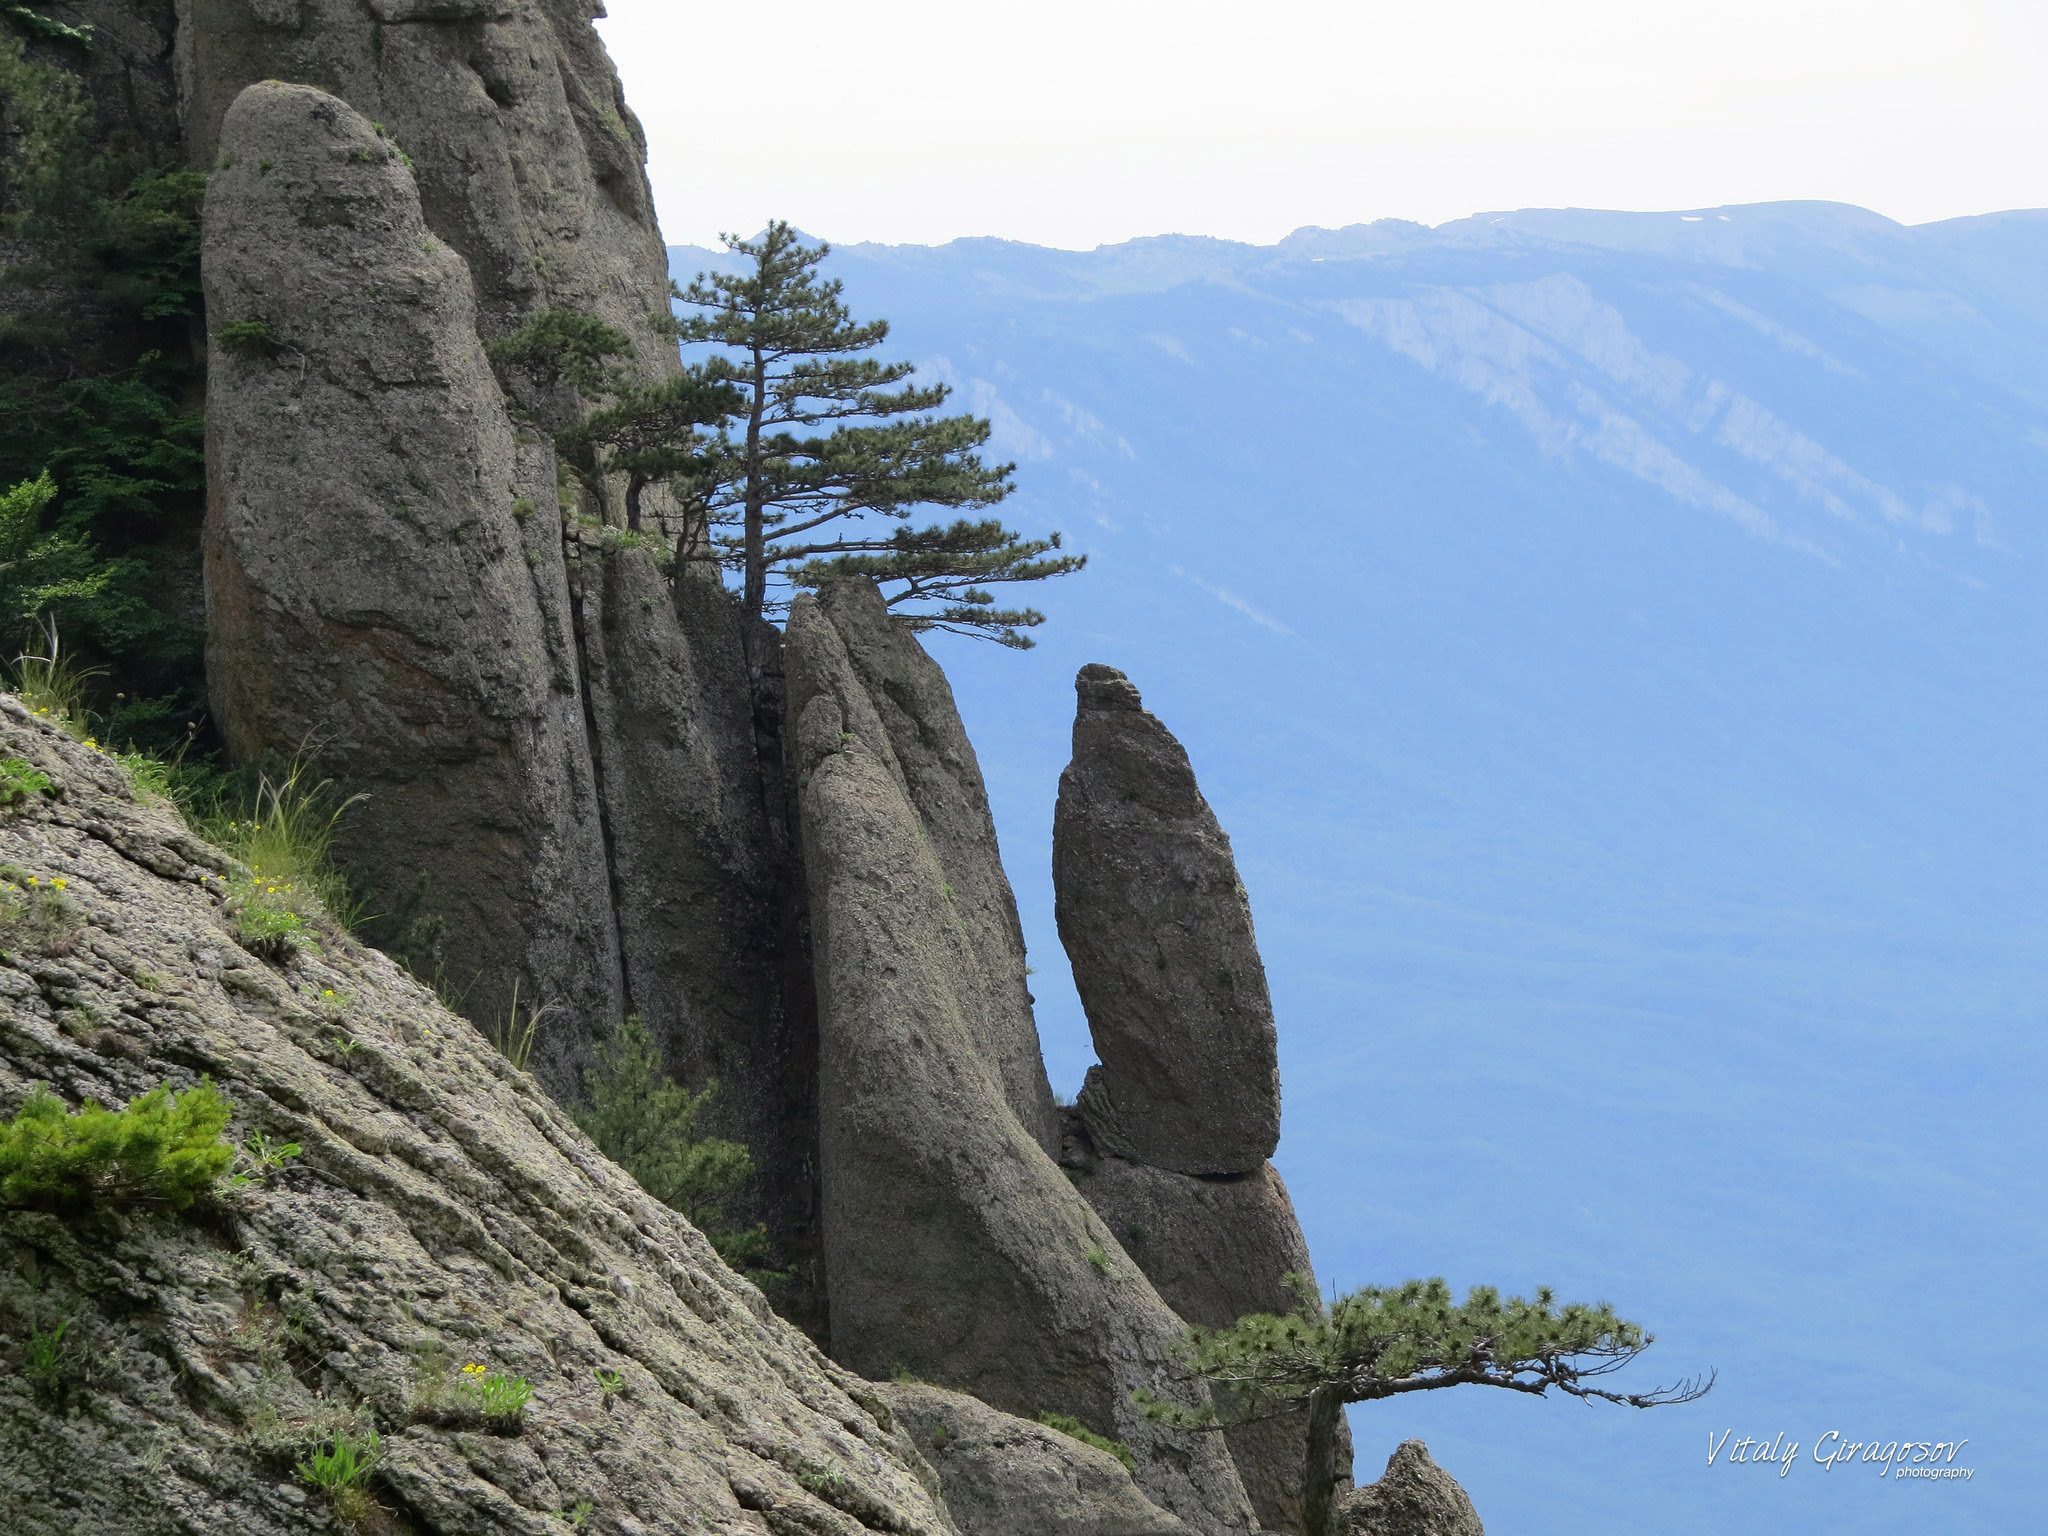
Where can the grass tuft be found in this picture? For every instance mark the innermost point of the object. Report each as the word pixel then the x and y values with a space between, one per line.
pixel 1066 1424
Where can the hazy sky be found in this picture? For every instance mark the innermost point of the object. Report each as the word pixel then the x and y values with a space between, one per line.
pixel 1075 122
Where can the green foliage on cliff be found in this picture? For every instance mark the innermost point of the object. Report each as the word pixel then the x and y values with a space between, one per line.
pixel 99 420
pixel 1066 1424
pixel 1386 1341
pixel 648 1124
pixel 163 1148
pixel 827 452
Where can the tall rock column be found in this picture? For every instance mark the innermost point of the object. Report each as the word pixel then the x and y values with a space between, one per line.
pixel 954 1245
pixel 942 776
pixel 369 594
pixel 1170 1138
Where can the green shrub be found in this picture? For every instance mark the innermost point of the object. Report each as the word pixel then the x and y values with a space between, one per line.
pixel 247 338
pixel 50 682
pixel 256 1159
pixel 501 1399
pixel 162 1148
pixel 1068 1425
pixel 342 1471
pixel 516 1034
pixel 43 1357
pixel 280 820
pixel 648 1125
pixel 18 781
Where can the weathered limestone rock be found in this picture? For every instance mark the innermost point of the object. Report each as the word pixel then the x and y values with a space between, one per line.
pixel 939 769
pixel 1005 1476
pixel 371 591
pixel 1159 933
pixel 1217 1249
pixel 695 882
pixel 528 159
pixel 442 1211
pixel 1416 1497
pixel 954 1245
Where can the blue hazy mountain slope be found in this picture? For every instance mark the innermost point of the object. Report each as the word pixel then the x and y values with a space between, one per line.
pixel 1615 645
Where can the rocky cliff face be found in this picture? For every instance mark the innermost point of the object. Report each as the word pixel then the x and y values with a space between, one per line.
pixel 528 159
pixel 954 1246
pixel 373 592
pixel 562 744
pixel 617 803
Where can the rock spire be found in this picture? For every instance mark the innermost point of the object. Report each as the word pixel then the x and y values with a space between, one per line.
pixel 1159 932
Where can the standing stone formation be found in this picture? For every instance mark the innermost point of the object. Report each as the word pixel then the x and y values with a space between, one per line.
pixel 371 594
pixel 1159 933
pixel 954 1245
pixel 1172 1131
pixel 1414 1497
pixel 777 849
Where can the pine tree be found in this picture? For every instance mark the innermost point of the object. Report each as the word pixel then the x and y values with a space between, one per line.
pixel 827 451
pixel 1381 1342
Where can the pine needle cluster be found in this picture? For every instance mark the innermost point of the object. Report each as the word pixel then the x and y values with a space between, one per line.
pixel 1385 1341
pixel 163 1148
pixel 649 1125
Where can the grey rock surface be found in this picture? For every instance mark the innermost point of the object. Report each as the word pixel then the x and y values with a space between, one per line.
pixel 371 592
pixel 1415 1497
pixel 529 162
pixel 1217 1249
pixel 442 1211
pixel 954 1245
pixel 939 769
pixel 1159 933
pixel 1005 1476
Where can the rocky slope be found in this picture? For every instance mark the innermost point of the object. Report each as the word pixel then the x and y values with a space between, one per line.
pixel 443 1211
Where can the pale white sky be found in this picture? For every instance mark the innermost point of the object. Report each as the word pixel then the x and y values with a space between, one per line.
pixel 1078 122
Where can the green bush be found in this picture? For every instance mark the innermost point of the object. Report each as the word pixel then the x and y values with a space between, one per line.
pixel 162 1148
pixel 648 1125
pixel 501 1399
pixel 18 781
pixel 280 819
pixel 1068 1425
pixel 43 1357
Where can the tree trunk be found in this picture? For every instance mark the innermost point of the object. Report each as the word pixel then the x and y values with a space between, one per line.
pixel 754 573
pixel 1319 1471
